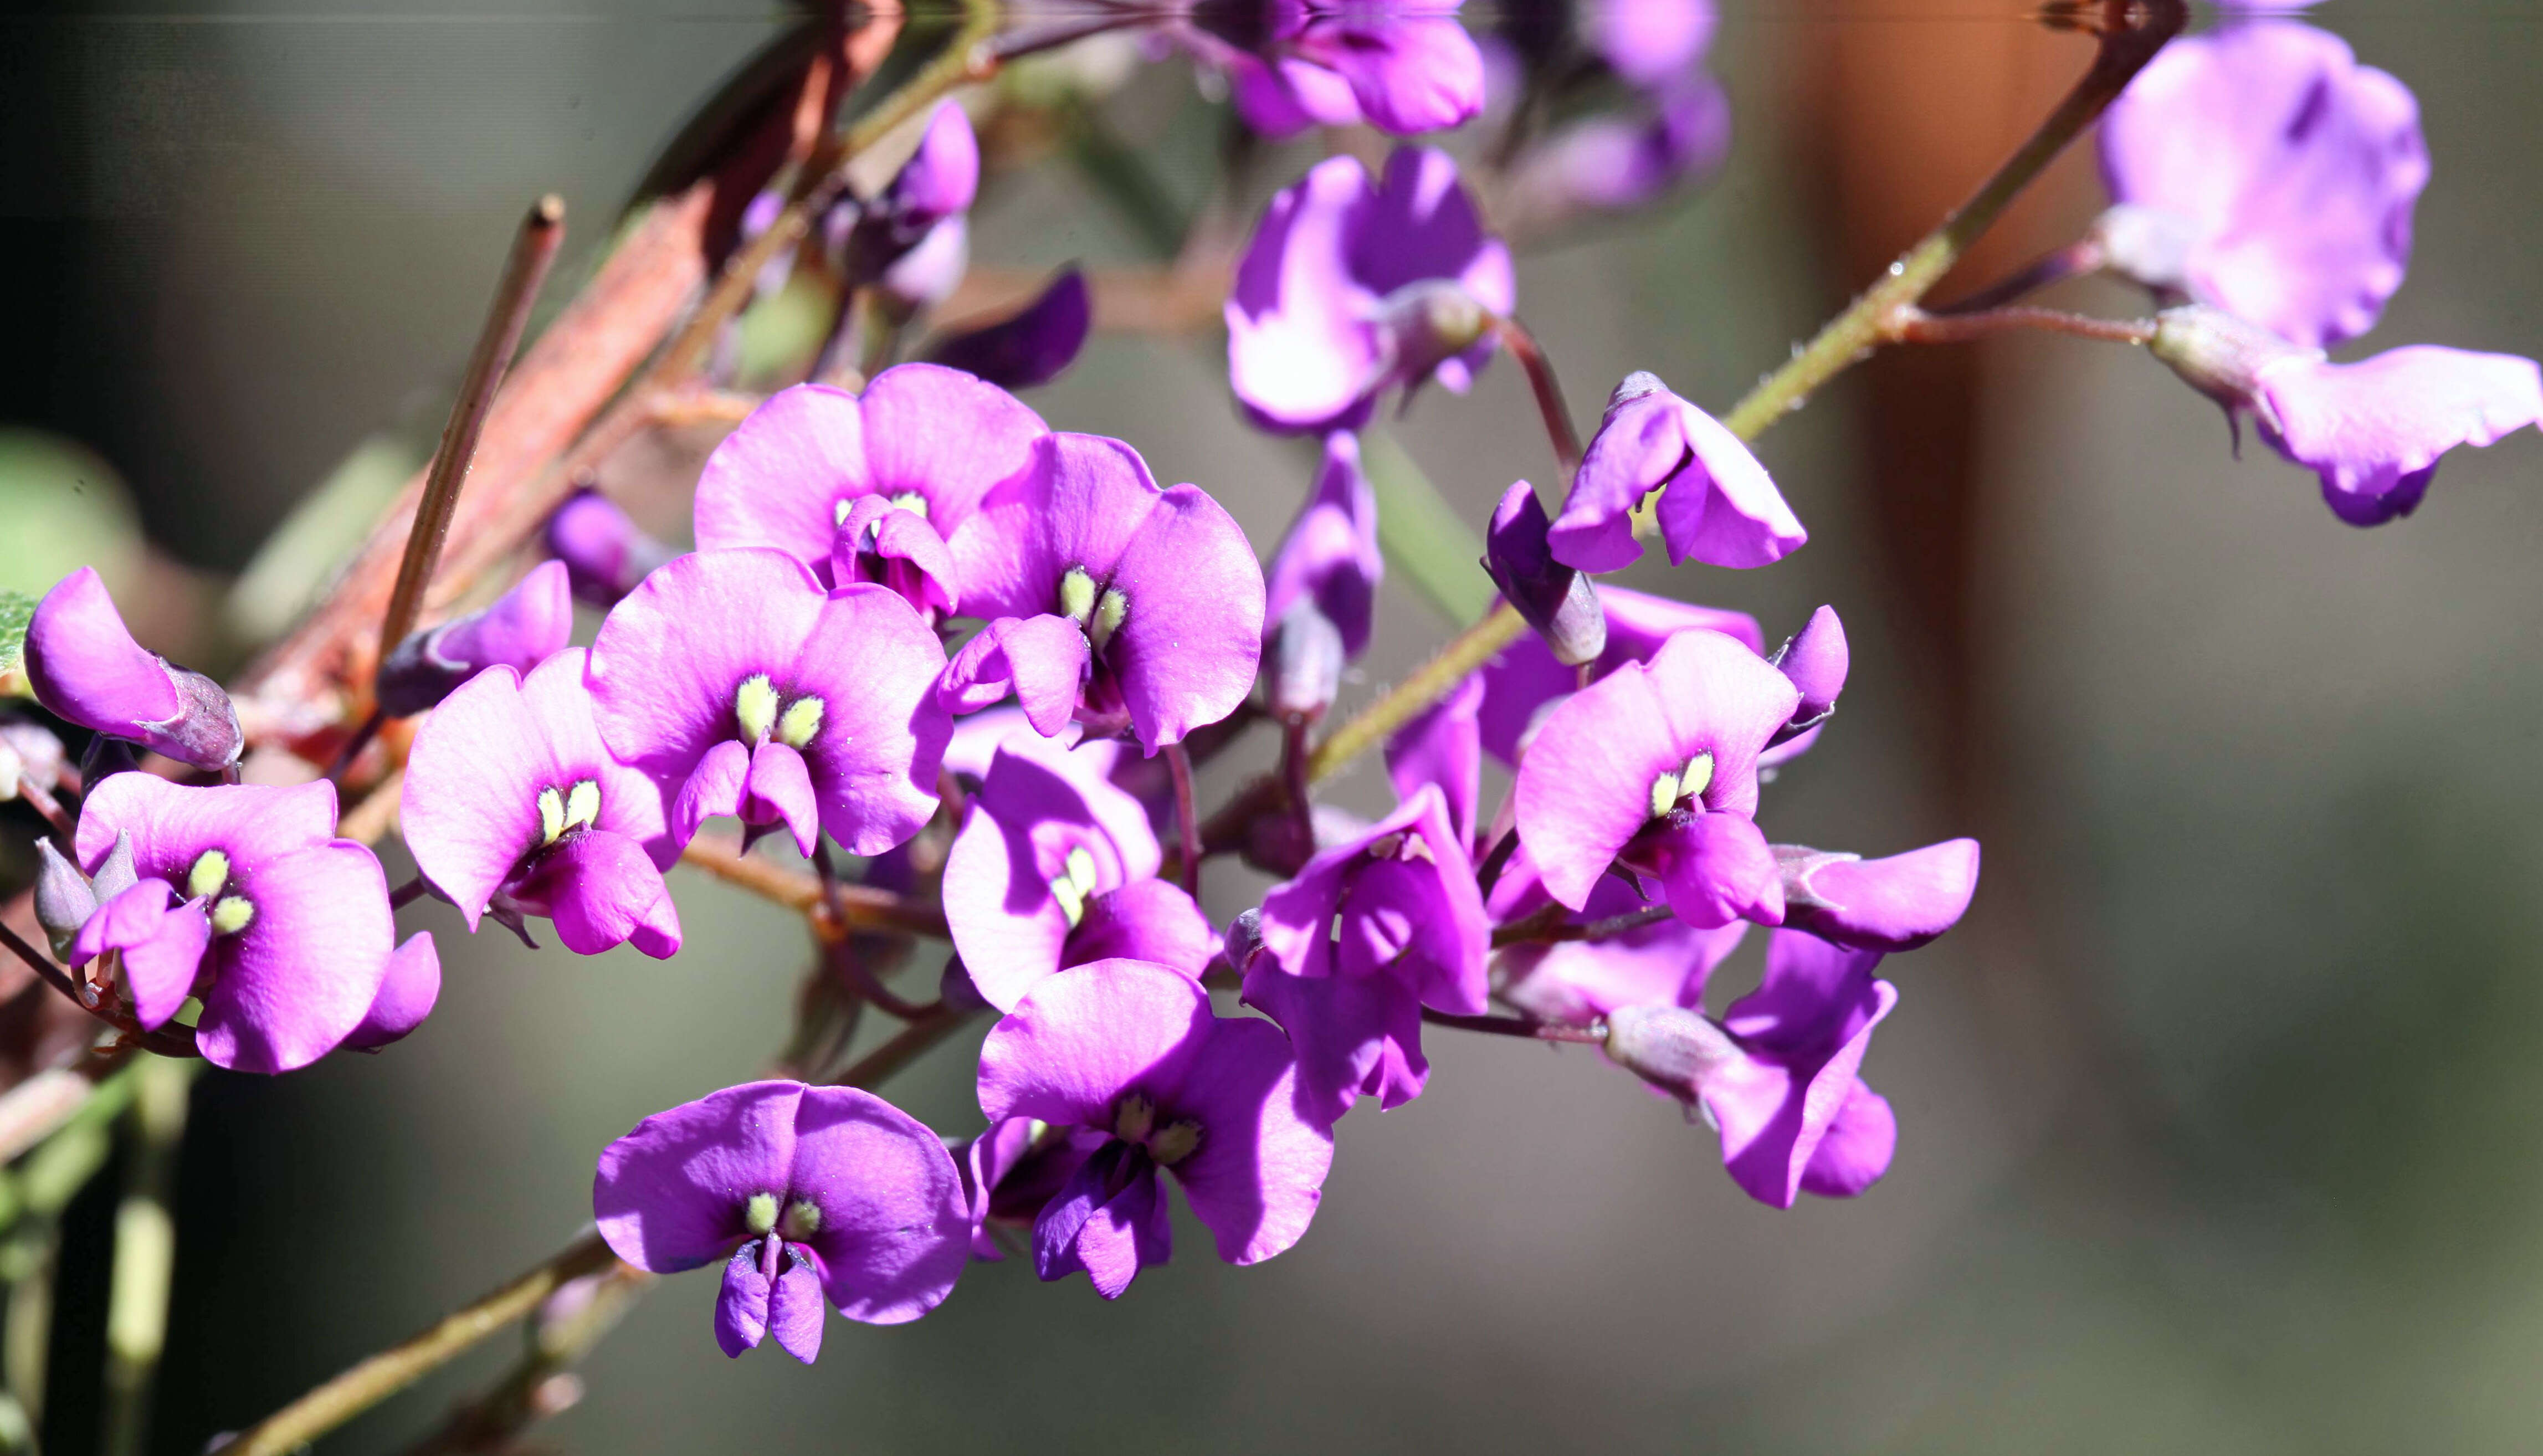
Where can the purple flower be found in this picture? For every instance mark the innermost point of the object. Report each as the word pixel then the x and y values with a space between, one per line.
pixel 801 1192
pixel 1131 1052
pixel 1779 1074
pixel 1815 658
pixel 85 666
pixel 733 675
pixel 1013 1169
pixel 1030 347
pixel 1442 747
pixel 513 808
pixel 407 994
pixel 1649 41
pixel 1144 607
pixel 1615 161
pixel 1658 763
pixel 929 441
pixel 289 925
pixel 521 629
pixel 935 188
pixel 605 554
pixel 1371 931
pixel 1330 559
pixel 2372 430
pixel 1520 683
pixel 2258 168
pixel 1718 504
pixel 1055 867
pixel 1893 904
pixel 1557 600
pixel 1663 964
pixel 1350 286
pixel 1402 66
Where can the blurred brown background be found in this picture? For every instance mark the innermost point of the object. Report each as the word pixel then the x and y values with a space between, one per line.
pixel 2219 1118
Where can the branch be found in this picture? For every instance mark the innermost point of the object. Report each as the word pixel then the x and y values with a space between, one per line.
pixel 1517 1026
pixel 857 907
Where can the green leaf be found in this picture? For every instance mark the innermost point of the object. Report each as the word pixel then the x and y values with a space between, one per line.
pixel 16 608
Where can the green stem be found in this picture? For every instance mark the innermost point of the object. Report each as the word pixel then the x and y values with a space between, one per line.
pixel 2133 31
pixel 145 1252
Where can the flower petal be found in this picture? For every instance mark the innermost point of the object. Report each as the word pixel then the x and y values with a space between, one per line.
pixel 1258 1171
pixel 408 991
pixel 1186 651
pixel 671 1194
pixel 172 824
pixel 601 889
pixel 304 973
pixel 895 1230
pixel 1081 1038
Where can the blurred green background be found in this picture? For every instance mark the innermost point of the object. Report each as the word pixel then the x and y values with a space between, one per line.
pixel 2221 1128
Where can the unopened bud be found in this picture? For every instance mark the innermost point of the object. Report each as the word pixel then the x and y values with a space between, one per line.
pixel 1035 345
pixel 2222 356
pixel 523 626
pixel 64 899
pixel 1896 903
pixel 85 666
pixel 1671 1047
pixel 116 874
pixel 1815 659
pixel 1303 670
pixel 1558 601
pixel 1632 387
pixel 606 553
pixel 1244 940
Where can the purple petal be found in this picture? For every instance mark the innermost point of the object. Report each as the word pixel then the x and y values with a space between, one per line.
pixel 2374 429
pixel 1584 787
pixel 1352 1034
pixel 1443 747
pixel 1717 868
pixel 1640 442
pixel 671 1194
pixel 1666 962
pixel 741 1305
pixel 172 825
pixel 1408 73
pixel 470 807
pixel 1891 904
pixel 86 668
pixel 601 889
pixel 1774 1115
pixel 1856 1149
pixel 606 553
pixel 304 973
pixel 1260 1168
pixel 1300 352
pixel 1078 504
pixel 1036 803
pixel 712 790
pixel 1081 1038
pixel 1187 653
pixel 778 789
pixel 1035 345
pixel 891 546
pixel 1042 659
pixel 1331 555
pixel 1721 508
pixel 2293 170
pixel 408 991
pixel 1147 920
pixel 1815 660
pixel 521 629
pixel 1519 682
pixel 1418 914
pixel 895 1230
pixel 1813 996
pixel 1646 41
pixel 161 948
pixel 944 174
pixel 795 1308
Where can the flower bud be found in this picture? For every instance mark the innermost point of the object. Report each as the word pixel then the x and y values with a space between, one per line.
pixel 2222 356
pixel 1303 668
pixel 1558 601
pixel 1896 903
pixel 928 273
pixel 1672 1049
pixel 527 624
pixel 606 553
pixel 64 899
pixel 1244 939
pixel 910 216
pixel 1032 347
pixel 86 668
pixel 37 754
pixel 116 874
pixel 1814 659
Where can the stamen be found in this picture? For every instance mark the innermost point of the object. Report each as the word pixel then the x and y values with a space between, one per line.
pixel 839 512
pixel 1134 1119
pixel 581 804
pixel 911 501
pixel 760 1216
pixel 1081 869
pixel 1174 1143
pixel 803 1220
pixel 1072 902
pixel 754 708
pixel 551 815
pixel 231 914
pixel 211 871
pixel 801 720
pixel 1696 777
pixel 1663 794
pixel 1109 613
pixel 1077 597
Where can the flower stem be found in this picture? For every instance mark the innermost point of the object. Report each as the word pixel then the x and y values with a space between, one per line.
pixel 1549 395
pixel 1187 818
pixel 857 906
pixel 2076 259
pixel 408 893
pixel 1916 326
pixel 534 247
pixel 43 802
pixel 2131 31
pixel 1517 1026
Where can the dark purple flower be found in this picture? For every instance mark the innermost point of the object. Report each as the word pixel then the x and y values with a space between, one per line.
pixel 734 677
pixel 1055 867
pixel 2258 168
pixel 1034 345
pixel 1403 66
pixel 1350 286
pixel 1520 683
pixel 2374 430
pixel 407 994
pixel 1659 763
pixel 1330 557
pixel 1777 1075
pixel 85 666
pixel 513 807
pixel 1371 931
pixel 290 925
pixel 801 1192
pixel 1718 504
pixel 605 554
pixel 1559 601
pixel 928 441
pixel 1132 1052
pixel 521 629
pixel 1893 904
pixel 1146 603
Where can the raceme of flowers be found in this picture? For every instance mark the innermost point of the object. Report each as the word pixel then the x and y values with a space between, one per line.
pixel 915 606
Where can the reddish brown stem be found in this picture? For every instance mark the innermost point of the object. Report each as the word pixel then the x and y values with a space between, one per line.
pixel 1549 395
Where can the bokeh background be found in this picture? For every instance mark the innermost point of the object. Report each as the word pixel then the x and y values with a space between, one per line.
pixel 2222 1124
